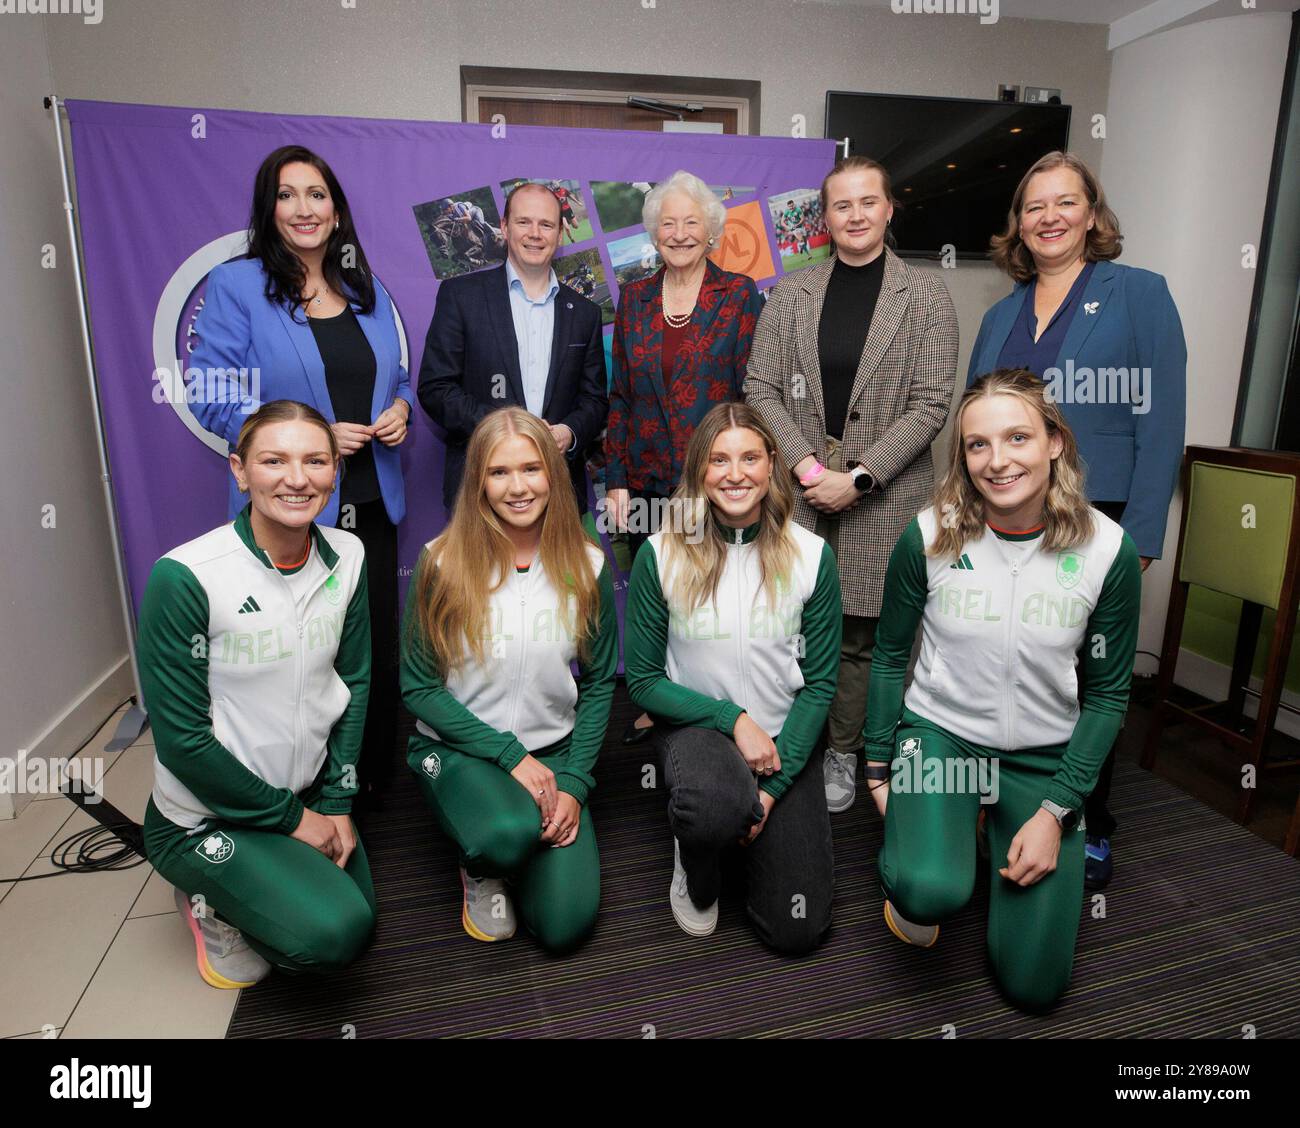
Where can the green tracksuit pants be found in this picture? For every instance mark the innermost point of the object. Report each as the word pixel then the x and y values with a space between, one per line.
pixel 497 826
pixel 927 866
pixel 295 907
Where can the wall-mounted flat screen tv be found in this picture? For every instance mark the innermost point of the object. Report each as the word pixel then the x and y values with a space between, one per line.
pixel 955 162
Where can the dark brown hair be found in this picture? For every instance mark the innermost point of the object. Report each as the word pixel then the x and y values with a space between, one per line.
pixel 285 273
pixel 1105 241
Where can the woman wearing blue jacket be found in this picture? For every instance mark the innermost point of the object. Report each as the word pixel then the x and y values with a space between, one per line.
pixel 303 313
pixel 1108 342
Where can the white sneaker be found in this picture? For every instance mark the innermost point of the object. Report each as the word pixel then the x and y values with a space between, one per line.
pixel 225 959
pixel 838 769
pixel 695 922
pixel 487 913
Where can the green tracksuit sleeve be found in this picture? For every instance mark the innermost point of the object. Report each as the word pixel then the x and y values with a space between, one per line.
pixel 352 664
pixel 906 587
pixel 173 657
pixel 427 697
pixel 1110 645
pixel 645 656
pixel 822 628
pixel 573 769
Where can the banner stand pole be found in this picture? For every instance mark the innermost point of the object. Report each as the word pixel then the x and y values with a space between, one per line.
pixel 135 718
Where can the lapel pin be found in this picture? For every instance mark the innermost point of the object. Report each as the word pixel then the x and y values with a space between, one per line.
pixel 1091 307
pixel 568 305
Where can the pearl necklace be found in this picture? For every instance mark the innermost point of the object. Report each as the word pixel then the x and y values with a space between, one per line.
pixel 678 320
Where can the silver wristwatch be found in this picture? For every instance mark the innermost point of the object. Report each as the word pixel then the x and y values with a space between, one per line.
pixel 1067 818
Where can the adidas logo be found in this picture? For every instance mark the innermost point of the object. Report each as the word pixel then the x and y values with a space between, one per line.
pixel 249 606
pixel 963 564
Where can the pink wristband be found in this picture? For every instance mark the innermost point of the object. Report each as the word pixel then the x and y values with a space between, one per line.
pixel 817 471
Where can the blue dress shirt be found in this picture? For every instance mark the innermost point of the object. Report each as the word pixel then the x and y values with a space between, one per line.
pixel 534 329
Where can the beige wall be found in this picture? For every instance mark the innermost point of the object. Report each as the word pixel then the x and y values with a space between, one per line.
pixel 1193 117
pixel 59 612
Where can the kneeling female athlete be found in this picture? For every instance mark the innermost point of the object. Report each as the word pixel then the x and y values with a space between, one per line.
pixel 1015 581
pixel 504 600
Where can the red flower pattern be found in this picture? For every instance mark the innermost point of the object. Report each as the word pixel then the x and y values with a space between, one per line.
pixel 709 369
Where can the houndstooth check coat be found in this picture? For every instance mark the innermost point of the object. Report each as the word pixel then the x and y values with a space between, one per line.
pixel 899 403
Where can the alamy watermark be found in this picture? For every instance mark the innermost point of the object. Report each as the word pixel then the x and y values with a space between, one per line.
pixel 91 11
pixel 1100 385
pixel 915 773
pixel 648 515
pixel 36 776
pixel 987 10
pixel 241 386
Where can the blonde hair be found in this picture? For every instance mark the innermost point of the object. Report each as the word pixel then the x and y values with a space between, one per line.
pixel 1104 241
pixel 695 563
pixel 473 557
pixel 1067 517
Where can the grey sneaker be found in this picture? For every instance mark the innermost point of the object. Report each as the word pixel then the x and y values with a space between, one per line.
pixel 225 959
pixel 838 768
pixel 695 922
pixel 921 935
pixel 488 913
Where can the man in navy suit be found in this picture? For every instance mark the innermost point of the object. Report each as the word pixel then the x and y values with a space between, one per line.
pixel 516 335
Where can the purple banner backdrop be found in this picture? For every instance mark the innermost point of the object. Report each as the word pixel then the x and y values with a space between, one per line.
pixel 164 196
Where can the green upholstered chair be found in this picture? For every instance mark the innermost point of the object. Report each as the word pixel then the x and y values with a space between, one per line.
pixel 1240 536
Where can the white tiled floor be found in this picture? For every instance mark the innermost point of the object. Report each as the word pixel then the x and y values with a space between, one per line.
pixel 97 955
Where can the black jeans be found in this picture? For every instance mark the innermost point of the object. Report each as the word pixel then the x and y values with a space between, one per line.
pixel 790 867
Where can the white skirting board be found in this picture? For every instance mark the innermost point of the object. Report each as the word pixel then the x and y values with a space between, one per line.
pixel 81 719
pixel 1210 679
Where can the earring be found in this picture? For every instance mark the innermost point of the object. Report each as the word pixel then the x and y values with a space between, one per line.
pixel 712 241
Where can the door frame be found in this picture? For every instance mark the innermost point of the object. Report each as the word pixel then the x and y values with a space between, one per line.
pixel 740 95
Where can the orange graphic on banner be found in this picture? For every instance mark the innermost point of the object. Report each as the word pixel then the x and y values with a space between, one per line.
pixel 744 247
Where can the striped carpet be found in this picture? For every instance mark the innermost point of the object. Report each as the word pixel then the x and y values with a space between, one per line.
pixel 1198 936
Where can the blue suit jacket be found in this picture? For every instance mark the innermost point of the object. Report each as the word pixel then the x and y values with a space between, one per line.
pixel 1126 319
pixel 471 345
pixel 239 328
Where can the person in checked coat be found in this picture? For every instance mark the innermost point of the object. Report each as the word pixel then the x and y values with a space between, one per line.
pixel 853 368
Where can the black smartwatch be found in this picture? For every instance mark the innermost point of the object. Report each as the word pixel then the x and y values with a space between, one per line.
pixel 863 479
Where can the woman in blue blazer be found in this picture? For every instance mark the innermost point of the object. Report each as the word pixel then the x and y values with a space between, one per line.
pixel 303 314
pixel 1108 342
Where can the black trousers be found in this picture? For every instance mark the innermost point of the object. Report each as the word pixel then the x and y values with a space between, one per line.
pixel 646 499
pixel 1096 808
pixel 378 746
pixel 790 866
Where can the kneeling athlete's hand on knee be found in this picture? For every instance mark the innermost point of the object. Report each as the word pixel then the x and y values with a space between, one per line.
pixel 1034 850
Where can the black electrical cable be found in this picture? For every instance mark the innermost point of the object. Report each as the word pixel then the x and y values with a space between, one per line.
pixel 97 848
